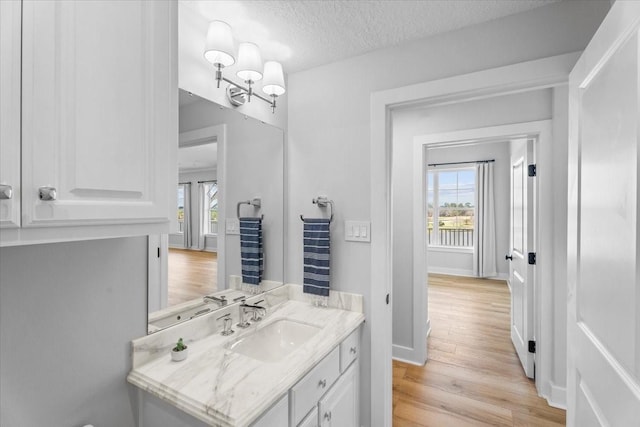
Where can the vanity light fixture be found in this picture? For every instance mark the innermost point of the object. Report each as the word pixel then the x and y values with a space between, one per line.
pixel 219 52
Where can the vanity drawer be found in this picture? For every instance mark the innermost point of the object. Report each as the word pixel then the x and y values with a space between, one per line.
pixel 349 350
pixel 306 393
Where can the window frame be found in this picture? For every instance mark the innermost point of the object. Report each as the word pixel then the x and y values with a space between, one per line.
pixel 435 186
pixel 183 187
pixel 207 211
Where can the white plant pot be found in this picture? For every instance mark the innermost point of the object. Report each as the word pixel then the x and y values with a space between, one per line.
pixel 179 356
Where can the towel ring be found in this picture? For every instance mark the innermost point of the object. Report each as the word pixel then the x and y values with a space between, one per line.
pixel 256 203
pixel 322 202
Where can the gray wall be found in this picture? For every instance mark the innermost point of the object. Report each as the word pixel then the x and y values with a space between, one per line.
pixel 68 312
pixel 329 124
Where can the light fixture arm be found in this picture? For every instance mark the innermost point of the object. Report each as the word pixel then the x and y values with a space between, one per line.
pixel 249 90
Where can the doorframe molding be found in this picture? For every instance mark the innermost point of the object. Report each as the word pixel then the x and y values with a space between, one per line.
pixel 543 303
pixel 522 77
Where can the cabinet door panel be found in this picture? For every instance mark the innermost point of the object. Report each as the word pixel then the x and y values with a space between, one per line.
pixel 99 111
pixel 339 407
pixel 10 114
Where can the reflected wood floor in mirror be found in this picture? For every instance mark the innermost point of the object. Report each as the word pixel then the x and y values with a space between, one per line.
pixel 192 274
pixel 473 375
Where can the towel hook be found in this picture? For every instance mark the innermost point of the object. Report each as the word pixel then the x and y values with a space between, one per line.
pixel 322 202
pixel 256 202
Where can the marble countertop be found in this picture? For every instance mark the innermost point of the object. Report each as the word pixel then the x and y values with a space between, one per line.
pixel 223 388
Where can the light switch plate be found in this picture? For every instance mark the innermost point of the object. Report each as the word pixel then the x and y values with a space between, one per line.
pixel 357 231
pixel 233 226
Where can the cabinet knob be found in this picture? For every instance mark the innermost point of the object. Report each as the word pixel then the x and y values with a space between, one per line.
pixel 327 416
pixel 6 192
pixel 353 350
pixel 322 383
pixel 47 194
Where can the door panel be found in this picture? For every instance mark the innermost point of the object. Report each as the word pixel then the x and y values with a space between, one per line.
pixel 604 234
pixel 10 18
pixel 520 274
pixel 97 80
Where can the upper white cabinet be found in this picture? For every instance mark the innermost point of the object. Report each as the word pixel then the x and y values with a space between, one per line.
pixel 10 114
pixel 99 118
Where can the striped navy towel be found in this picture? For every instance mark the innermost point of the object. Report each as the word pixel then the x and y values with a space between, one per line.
pixel 251 256
pixel 316 256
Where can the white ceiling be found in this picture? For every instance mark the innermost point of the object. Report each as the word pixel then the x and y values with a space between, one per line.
pixel 305 34
pixel 198 158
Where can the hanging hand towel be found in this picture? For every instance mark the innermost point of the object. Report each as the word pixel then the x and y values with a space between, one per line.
pixel 316 256
pixel 251 256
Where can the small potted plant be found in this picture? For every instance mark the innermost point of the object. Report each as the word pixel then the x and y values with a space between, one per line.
pixel 179 352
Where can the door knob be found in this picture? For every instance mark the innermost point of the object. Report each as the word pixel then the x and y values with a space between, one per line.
pixel 47 194
pixel 6 192
pixel 509 257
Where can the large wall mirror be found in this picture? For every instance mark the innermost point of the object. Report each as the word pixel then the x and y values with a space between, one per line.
pixel 229 165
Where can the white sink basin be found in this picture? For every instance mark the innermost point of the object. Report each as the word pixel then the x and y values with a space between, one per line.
pixel 274 341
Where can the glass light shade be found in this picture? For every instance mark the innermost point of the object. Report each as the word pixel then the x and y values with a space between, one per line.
pixel 219 45
pixel 249 62
pixel 273 79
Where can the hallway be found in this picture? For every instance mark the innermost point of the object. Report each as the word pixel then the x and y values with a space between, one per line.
pixel 473 376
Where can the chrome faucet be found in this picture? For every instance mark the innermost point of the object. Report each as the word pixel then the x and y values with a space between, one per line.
pixel 226 330
pixel 255 309
pixel 222 301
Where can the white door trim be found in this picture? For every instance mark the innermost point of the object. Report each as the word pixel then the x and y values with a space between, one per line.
pixel 526 76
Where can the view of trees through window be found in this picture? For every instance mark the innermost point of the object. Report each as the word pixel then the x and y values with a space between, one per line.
pixel 450 207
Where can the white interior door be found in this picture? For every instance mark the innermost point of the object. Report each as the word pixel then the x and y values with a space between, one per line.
pixel 522 241
pixel 603 383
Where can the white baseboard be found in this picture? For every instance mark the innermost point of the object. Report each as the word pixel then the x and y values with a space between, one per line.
pixel 463 273
pixel 207 249
pixel 408 354
pixel 405 354
pixel 558 397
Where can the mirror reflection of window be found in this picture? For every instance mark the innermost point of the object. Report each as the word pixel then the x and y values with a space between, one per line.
pixel 180 208
pixel 211 208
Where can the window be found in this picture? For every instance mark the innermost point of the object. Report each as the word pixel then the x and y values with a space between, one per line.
pixel 450 207
pixel 211 207
pixel 180 208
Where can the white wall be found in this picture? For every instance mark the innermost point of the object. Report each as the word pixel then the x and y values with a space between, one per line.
pixel 329 111
pixel 516 108
pixel 68 313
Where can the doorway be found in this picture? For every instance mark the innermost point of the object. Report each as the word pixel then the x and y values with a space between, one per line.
pixel 527 297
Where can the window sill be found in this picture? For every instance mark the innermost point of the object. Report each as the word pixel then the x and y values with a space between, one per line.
pixel 451 249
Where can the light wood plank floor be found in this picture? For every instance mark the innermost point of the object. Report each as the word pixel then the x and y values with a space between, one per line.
pixel 473 376
pixel 192 274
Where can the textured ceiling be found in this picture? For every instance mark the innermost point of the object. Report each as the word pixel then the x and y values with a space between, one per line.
pixel 305 34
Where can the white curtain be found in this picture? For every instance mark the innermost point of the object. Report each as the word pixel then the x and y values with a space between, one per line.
pixel 203 215
pixel 484 245
pixel 186 229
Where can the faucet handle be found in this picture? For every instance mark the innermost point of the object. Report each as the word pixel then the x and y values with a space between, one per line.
pixel 226 330
pixel 257 309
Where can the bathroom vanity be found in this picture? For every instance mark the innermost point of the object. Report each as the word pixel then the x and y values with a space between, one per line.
pixel 298 366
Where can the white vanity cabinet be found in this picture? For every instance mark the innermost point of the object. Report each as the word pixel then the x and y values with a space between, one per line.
pixel 328 395
pixel 10 29
pixel 98 106
pixel 278 415
pixel 339 407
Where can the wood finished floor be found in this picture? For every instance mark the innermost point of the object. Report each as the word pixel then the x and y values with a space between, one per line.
pixel 192 274
pixel 473 376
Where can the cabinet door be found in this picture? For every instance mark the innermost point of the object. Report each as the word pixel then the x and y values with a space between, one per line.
pixel 10 113
pixel 99 111
pixel 277 415
pixel 339 407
